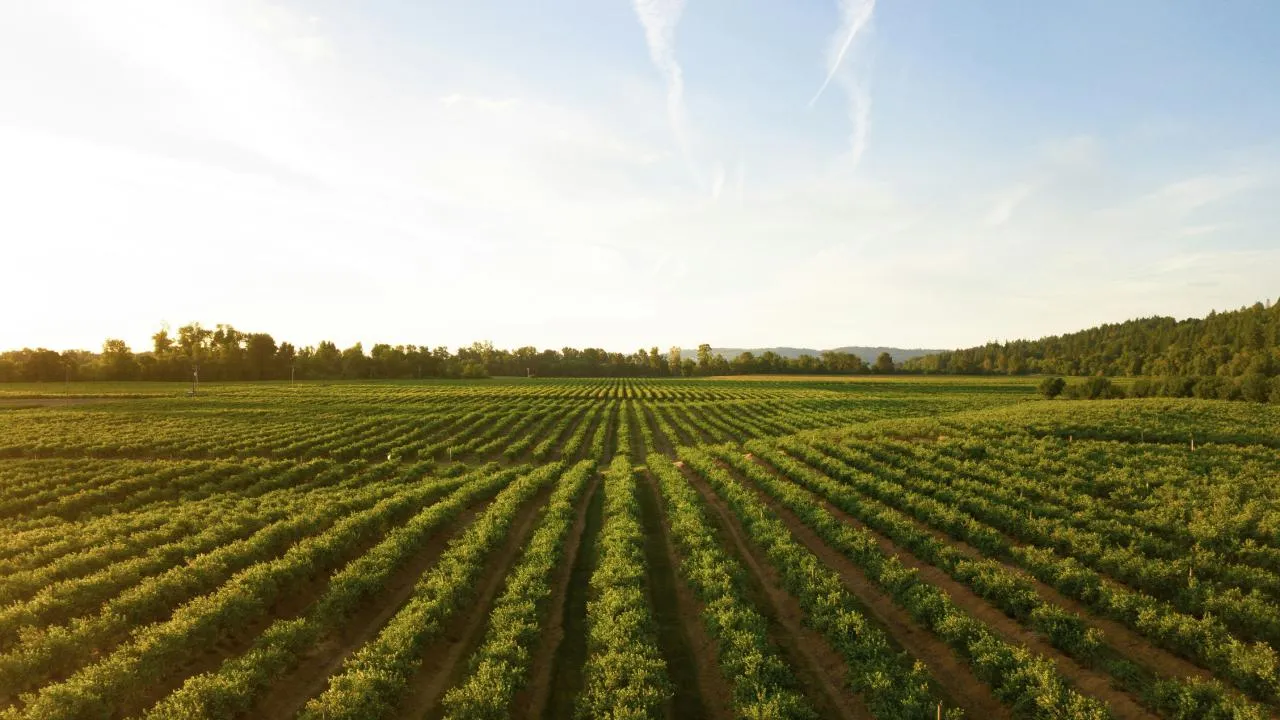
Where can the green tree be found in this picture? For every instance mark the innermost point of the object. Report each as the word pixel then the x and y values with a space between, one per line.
pixel 1051 387
pixel 473 369
pixel 884 363
pixel 1255 387
pixel 161 343
pixel 355 364
pixel 688 367
pixel 286 360
pixel 117 360
pixel 326 361
pixel 260 353
pixel 704 358
pixel 193 340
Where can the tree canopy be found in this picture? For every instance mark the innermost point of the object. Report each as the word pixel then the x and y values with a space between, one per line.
pixel 226 353
pixel 1235 343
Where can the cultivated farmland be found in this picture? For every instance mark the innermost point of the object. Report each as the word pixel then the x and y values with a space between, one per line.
pixel 872 548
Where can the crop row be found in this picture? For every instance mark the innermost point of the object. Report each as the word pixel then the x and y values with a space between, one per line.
pixel 1012 592
pixel 762 681
pixel 372 680
pixel 500 666
pixel 147 657
pixel 625 675
pixel 232 689
pixel 891 684
pixel 1206 641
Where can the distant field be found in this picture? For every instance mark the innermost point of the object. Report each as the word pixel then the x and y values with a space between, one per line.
pixel 890 547
pixel 1015 380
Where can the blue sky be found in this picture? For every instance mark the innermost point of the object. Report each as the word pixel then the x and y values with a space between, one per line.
pixel 624 174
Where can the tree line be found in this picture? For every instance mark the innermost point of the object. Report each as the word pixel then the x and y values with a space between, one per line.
pixel 1252 387
pixel 225 353
pixel 1228 344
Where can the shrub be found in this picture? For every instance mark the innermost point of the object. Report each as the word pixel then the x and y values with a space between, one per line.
pixel 1096 387
pixel 1255 387
pixel 1178 387
pixel 1051 387
pixel 1209 387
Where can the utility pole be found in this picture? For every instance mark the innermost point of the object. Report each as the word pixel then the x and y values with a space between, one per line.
pixel 292 368
pixel 195 378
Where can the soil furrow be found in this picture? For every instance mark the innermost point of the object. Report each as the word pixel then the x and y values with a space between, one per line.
pixel 1129 643
pixel 690 653
pixel 1089 681
pixel 563 652
pixel 660 438
pixel 238 640
pixel 530 699
pixel 1126 641
pixel 445 659
pixel 821 670
pixel 952 674
pixel 292 691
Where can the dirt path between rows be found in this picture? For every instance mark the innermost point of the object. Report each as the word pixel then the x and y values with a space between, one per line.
pixel 951 673
pixel 690 653
pixel 592 419
pixel 685 434
pixel 235 641
pixel 290 692
pixel 1126 641
pixel 444 660
pixel 635 440
pixel 559 659
pixel 705 432
pixel 819 668
pixel 612 417
pixel 1089 681
pixel 660 439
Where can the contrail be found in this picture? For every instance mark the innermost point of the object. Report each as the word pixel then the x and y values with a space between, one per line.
pixel 860 112
pixel 659 19
pixel 856 13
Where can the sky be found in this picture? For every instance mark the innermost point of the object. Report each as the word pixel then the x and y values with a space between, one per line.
pixel 622 174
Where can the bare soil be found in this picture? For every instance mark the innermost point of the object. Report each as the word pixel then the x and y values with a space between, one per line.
pixel 690 653
pixel 819 668
pixel 1088 680
pixel 560 658
pixel 237 641
pixel 292 691
pixel 950 672
pixel 1127 642
pixel 445 660
pixel 660 438
pixel 635 441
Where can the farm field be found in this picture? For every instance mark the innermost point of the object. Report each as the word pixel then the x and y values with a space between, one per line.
pixel 757 547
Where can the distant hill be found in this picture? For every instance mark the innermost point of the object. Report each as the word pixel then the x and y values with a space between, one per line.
pixel 868 354
pixel 1237 342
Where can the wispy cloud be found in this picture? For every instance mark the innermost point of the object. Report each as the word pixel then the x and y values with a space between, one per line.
pixel 855 18
pixel 659 19
pixel 717 181
pixel 1007 202
pixel 742 180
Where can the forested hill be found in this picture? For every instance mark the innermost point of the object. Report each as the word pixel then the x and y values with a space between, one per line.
pixel 1239 342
